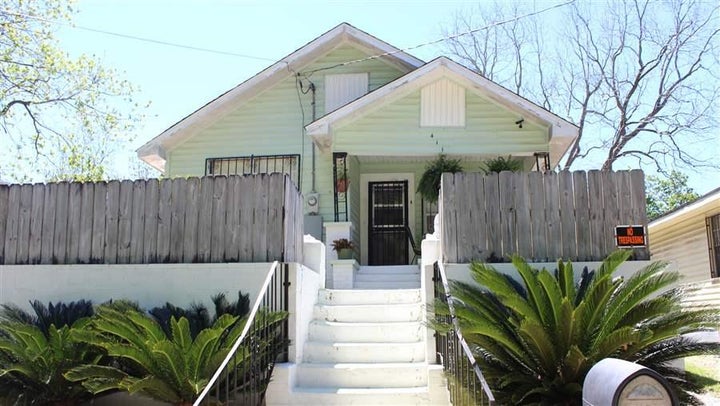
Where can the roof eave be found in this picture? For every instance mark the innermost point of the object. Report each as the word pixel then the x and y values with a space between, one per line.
pixel 271 75
pixel 154 155
pixel 561 135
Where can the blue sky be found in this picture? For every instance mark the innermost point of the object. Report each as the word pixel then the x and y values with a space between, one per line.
pixel 178 81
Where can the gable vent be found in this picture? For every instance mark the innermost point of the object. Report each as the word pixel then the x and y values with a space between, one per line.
pixel 442 104
pixel 342 89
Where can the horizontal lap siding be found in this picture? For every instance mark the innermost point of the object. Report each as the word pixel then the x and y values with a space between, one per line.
pixel 685 244
pixel 395 130
pixel 272 122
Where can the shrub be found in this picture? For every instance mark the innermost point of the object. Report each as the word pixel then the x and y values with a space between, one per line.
pixel 536 339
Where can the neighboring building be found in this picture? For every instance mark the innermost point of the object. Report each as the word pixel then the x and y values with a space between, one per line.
pixel 348 107
pixel 689 237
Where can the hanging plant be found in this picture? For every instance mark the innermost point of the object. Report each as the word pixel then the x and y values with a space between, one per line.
pixel 500 164
pixel 429 185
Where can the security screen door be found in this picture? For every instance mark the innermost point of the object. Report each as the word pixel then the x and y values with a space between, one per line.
pixel 388 216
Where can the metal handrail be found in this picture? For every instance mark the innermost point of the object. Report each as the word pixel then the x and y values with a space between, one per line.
pixel 461 393
pixel 261 299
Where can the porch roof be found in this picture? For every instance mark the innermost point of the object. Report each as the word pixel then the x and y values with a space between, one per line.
pixel 560 133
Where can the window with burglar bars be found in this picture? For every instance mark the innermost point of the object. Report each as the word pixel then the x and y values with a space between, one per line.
pixel 713 224
pixel 255 164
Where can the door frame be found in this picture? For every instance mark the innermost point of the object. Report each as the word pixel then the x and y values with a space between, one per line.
pixel 365 179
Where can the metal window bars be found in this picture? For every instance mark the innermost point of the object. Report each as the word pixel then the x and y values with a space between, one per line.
pixel 255 164
pixel 466 383
pixel 244 374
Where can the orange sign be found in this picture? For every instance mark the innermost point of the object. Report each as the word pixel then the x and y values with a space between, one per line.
pixel 630 236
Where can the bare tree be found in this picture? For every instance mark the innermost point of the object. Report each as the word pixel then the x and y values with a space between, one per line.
pixel 639 78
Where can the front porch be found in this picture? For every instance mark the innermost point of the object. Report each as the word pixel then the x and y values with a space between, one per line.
pixel 377 205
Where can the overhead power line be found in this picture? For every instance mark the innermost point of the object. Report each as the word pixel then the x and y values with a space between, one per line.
pixel 450 37
pixel 310 72
pixel 138 38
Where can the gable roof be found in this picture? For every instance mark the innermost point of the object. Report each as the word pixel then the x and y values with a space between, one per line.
pixel 561 132
pixel 154 151
pixel 708 203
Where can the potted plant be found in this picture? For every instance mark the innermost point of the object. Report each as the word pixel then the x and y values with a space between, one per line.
pixel 343 247
pixel 429 185
pixel 341 183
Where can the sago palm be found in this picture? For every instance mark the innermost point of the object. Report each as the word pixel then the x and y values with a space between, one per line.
pixel 32 364
pixel 171 367
pixel 536 338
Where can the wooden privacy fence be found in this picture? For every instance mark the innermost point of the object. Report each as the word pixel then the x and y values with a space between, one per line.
pixel 254 218
pixel 542 217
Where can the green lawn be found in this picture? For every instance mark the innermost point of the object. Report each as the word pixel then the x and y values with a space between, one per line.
pixel 705 370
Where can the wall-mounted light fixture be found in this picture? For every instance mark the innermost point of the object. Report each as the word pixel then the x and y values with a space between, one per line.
pixel 520 122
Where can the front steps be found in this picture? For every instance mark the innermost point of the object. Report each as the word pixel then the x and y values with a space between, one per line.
pixel 388 277
pixel 365 347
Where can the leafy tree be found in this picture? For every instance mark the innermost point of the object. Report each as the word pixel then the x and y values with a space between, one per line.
pixel 535 339
pixel 56 111
pixel 639 78
pixel 664 195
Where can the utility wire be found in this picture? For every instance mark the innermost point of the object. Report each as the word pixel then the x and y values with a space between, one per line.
pixel 137 38
pixel 495 24
pixel 306 73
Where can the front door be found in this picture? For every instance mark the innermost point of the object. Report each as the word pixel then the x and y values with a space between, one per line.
pixel 387 219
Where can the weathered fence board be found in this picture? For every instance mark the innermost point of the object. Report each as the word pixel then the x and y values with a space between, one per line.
pixel 553 236
pixel 211 219
pixel 48 223
pixel 3 214
pixel 541 217
pixel 35 245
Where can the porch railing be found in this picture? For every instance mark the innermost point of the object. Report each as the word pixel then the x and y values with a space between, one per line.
pixel 466 383
pixel 244 374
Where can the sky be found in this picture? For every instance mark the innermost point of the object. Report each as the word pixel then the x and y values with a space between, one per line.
pixel 177 81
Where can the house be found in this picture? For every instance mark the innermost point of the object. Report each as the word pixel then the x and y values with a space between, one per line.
pixel 348 107
pixel 689 237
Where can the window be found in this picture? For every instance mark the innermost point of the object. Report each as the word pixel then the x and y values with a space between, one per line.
pixel 342 89
pixel 254 164
pixel 713 226
pixel 442 104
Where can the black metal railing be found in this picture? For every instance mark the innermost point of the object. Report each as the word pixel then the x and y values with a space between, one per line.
pixel 243 376
pixel 466 383
pixel 255 164
pixel 342 183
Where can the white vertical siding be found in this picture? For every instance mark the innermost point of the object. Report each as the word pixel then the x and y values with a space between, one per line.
pixel 342 89
pixel 442 104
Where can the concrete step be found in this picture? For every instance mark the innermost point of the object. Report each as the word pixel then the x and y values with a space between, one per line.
pixel 365 396
pixel 393 332
pixel 359 296
pixel 370 285
pixel 406 269
pixel 361 375
pixel 368 313
pixel 353 352
pixel 282 393
pixel 387 277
